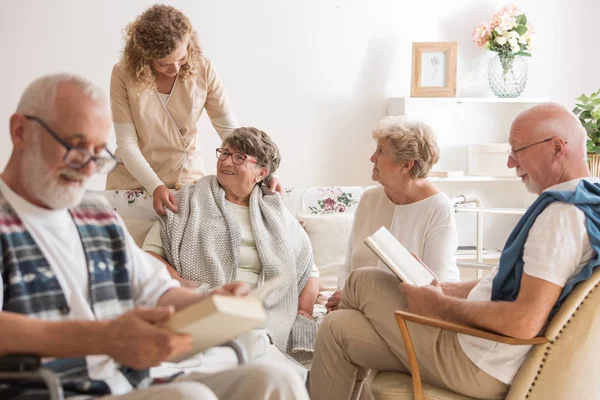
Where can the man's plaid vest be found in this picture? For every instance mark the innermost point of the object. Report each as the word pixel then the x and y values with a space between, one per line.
pixel 31 287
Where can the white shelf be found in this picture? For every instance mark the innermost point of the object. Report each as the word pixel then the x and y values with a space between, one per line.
pixel 458 100
pixel 468 178
pixel 492 255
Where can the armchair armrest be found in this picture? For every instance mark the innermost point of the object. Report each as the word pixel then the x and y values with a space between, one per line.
pixel 467 330
pixel 403 316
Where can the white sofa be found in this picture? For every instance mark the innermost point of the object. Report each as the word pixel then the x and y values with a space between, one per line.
pixel 326 211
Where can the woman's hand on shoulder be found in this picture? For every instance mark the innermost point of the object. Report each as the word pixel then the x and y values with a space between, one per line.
pixel 163 197
pixel 275 185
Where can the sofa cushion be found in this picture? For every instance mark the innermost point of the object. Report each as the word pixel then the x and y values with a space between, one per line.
pixel 329 236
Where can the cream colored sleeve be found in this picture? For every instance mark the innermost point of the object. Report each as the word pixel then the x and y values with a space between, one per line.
pixel 153 241
pixel 132 157
pixel 128 148
pixel 224 125
pixel 217 104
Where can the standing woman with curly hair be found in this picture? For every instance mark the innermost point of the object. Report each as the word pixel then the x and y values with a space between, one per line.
pixel 158 92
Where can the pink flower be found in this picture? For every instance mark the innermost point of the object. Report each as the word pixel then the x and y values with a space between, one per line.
pixel 341 208
pixel 502 22
pixel 130 195
pixel 511 9
pixel 328 204
pixel 481 34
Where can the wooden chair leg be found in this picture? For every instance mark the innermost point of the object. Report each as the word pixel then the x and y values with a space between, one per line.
pixel 412 360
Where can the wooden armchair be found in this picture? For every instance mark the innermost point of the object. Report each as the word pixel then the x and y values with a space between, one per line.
pixel 564 363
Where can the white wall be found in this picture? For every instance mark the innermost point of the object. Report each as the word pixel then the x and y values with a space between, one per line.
pixel 314 74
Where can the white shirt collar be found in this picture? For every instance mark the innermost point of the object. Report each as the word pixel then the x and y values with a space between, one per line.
pixel 570 185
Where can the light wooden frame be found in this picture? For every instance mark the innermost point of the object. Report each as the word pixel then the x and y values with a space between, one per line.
pixel 418 48
pixel 402 317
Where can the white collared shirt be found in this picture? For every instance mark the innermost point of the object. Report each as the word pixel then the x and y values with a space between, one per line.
pixel 557 247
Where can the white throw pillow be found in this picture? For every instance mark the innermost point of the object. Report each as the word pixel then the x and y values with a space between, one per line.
pixel 329 236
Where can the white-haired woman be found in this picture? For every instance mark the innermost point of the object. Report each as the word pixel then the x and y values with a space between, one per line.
pixel 412 208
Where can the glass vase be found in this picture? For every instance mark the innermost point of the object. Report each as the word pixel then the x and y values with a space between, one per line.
pixel 507 75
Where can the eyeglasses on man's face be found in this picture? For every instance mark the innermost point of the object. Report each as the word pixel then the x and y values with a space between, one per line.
pixel 513 153
pixel 76 157
pixel 237 157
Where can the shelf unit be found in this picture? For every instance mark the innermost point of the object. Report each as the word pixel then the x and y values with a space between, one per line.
pixel 460 100
pixel 471 178
pixel 459 122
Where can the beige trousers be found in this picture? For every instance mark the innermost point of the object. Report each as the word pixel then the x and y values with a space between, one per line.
pixel 248 382
pixel 363 335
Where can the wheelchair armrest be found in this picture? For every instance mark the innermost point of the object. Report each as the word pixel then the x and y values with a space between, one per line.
pixel 19 363
pixel 24 371
pixel 239 350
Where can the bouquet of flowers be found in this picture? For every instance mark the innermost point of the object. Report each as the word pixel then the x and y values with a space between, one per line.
pixel 509 34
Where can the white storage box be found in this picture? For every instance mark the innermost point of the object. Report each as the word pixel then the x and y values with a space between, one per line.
pixel 489 159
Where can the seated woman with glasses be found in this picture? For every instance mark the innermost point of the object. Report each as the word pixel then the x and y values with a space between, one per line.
pixel 411 207
pixel 229 228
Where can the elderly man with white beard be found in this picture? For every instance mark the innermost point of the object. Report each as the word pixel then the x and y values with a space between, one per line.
pixel 73 279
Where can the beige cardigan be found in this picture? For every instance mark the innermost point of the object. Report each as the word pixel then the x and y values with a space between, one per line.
pixel 167 134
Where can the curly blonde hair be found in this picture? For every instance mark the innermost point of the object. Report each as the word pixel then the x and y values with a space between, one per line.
pixel 410 140
pixel 155 34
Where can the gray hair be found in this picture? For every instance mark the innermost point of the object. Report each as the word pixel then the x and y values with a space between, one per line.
pixel 410 140
pixel 257 144
pixel 40 96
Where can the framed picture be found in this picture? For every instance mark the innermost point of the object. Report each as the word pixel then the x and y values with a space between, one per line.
pixel 433 69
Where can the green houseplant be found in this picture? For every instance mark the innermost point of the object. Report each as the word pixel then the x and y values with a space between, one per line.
pixel 587 109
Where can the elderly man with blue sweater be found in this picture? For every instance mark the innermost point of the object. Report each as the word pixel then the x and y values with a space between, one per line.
pixel 554 246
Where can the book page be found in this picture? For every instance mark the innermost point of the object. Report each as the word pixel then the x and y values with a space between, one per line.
pixel 399 260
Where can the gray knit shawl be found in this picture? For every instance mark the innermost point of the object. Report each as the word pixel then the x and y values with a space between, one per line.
pixel 202 242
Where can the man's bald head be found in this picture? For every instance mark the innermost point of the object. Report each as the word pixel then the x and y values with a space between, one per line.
pixel 548 147
pixel 553 119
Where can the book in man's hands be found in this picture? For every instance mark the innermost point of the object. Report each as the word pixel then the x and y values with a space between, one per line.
pixel 399 260
pixel 219 319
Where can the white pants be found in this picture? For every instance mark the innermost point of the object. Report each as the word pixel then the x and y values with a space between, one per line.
pixel 248 382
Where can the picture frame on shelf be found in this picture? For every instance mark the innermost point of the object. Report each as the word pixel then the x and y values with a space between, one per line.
pixel 434 69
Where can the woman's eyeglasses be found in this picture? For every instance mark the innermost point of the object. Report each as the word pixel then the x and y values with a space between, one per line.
pixel 237 157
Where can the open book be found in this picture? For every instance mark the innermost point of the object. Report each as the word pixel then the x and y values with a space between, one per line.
pixel 219 319
pixel 398 259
